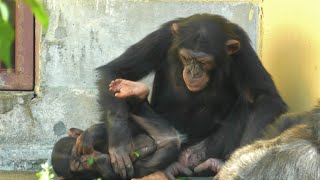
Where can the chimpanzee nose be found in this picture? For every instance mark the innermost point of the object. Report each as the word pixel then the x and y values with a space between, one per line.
pixel 196 71
pixel 196 74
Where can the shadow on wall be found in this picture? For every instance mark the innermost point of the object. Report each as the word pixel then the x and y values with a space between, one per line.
pixel 291 59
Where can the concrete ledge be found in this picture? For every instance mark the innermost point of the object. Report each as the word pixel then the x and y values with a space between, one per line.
pixel 20 175
pixel 23 158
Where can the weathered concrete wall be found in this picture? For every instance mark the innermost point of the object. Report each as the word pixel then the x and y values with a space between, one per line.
pixel 83 35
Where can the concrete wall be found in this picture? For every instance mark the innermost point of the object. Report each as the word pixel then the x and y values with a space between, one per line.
pixel 83 35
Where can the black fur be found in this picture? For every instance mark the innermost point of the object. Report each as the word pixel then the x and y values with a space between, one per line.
pixel 292 153
pixel 232 110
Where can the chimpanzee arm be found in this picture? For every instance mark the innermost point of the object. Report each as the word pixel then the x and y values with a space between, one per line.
pixel 135 63
pixel 258 89
pixel 264 110
pixel 218 145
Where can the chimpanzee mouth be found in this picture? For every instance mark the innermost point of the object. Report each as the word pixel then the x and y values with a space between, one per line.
pixel 198 85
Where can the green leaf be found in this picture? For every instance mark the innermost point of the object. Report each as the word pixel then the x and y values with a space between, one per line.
pixel 39 12
pixel 181 178
pixel 4 11
pixel 39 174
pixel 6 40
pixel 90 161
pixel 136 154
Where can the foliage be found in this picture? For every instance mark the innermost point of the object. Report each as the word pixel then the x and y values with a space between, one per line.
pixel 38 11
pixel 181 178
pixel 46 173
pixel 90 161
pixel 136 154
pixel 7 32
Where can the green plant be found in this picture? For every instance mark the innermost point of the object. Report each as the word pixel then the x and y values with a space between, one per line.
pixel 136 154
pixel 46 173
pixel 7 32
pixel 90 161
pixel 181 178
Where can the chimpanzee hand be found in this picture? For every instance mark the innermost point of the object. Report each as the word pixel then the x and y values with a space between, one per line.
pixel 211 164
pixel 176 169
pixel 193 155
pixel 120 160
pixel 84 144
pixel 125 88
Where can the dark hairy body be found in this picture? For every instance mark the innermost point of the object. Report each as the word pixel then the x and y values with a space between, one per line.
pixel 290 149
pixel 153 144
pixel 209 85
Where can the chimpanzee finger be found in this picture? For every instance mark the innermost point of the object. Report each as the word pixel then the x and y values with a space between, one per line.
pixel 128 165
pixel 185 170
pixel 113 89
pixel 201 167
pixel 122 169
pixel 113 84
pixel 117 81
pixel 170 176
pixel 173 170
pixel 114 163
pixel 210 164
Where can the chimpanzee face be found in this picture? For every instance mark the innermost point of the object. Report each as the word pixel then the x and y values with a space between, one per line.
pixel 202 48
pixel 196 68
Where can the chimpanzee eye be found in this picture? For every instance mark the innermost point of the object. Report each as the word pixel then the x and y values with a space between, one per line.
pixel 185 60
pixel 188 61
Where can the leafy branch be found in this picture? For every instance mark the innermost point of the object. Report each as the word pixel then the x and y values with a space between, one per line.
pixel 7 31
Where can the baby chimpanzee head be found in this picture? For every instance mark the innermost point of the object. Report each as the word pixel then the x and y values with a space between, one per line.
pixel 68 166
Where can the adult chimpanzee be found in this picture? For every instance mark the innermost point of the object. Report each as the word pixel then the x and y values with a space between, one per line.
pixel 288 150
pixel 209 84
pixel 294 154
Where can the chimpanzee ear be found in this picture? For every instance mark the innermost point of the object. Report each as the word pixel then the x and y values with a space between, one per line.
pixel 174 28
pixel 232 46
pixel 74 132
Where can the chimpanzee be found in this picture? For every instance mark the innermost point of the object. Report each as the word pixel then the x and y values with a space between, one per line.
pixel 288 150
pixel 209 85
pixel 151 138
